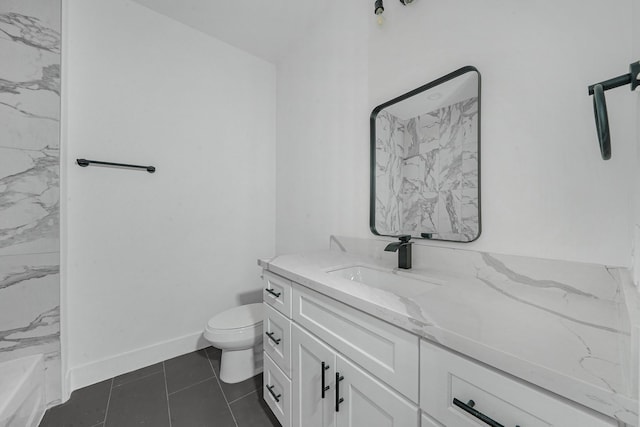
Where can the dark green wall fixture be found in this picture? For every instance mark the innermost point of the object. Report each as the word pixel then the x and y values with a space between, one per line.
pixel 600 105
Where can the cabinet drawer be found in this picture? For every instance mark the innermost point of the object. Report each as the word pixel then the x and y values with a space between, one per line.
pixel 384 350
pixel 445 376
pixel 277 338
pixel 277 292
pixel 277 391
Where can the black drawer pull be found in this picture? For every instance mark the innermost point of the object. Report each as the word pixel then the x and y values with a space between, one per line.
pixel 468 407
pixel 274 293
pixel 324 387
pixel 276 397
pixel 270 335
pixel 339 399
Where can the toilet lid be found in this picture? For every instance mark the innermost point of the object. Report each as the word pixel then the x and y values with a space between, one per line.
pixel 237 317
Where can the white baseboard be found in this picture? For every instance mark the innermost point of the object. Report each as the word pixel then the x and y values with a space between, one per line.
pixel 94 372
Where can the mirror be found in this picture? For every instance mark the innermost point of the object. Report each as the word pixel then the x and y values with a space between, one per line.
pixel 425 161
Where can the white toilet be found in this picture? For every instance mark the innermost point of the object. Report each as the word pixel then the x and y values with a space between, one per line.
pixel 238 333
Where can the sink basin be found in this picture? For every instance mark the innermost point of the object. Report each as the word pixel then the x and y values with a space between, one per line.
pixel 388 280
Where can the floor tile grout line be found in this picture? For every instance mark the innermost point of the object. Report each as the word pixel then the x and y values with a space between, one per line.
pixel 166 389
pixel 222 391
pixel 242 397
pixel 136 379
pixel 106 410
pixel 191 385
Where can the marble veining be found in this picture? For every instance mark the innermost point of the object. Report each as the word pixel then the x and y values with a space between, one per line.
pixel 501 268
pixel 30 31
pixel 427 173
pixel 29 201
pixel 563 326
pixel 28 273
pixel 29 185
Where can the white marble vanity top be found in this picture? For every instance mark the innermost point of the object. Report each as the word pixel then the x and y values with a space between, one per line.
pixel 563 326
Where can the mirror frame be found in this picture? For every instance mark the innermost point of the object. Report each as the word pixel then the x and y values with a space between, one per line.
pixel 372 136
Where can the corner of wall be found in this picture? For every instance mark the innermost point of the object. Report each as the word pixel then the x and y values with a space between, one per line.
pixel 64 344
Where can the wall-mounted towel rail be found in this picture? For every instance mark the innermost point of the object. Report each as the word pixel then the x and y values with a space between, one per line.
pixel 600 105
pixel 85 163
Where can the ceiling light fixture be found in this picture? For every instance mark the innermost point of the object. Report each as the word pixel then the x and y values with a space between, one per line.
pixel 378 9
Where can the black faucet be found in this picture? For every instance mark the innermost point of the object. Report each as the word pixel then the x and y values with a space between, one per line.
pixel 404 253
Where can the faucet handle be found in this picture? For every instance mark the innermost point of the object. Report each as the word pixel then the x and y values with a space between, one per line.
pixel 404 238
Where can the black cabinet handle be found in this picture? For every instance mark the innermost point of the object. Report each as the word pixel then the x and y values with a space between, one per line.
pixel 270 335
pixel 324 388
pixel 276 397
pixel 274 293
pixel 468 407
pixel 339 399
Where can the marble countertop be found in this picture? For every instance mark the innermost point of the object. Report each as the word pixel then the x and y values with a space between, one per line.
pixel 562 326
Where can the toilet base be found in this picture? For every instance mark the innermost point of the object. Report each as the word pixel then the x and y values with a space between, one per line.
pixel 240 365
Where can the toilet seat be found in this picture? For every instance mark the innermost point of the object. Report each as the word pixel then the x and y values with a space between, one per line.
pixel 238 327
pixel 244 316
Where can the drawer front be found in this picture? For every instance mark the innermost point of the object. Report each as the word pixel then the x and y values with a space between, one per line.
pixel 277 338
pixel 277 292
pixel 445 376
pixel 277 391
pixel 386 351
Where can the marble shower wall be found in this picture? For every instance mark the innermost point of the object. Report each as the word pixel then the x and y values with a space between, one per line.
pixel 427 173
pixel 29 184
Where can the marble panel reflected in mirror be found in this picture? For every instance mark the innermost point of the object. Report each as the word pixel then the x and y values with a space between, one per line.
pixel 425 161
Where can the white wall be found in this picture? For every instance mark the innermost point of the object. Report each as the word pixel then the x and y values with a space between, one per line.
pixel 545 190
pixel 150 257
pixel 322 150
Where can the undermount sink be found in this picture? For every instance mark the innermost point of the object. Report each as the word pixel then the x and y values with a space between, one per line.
pixel 388 280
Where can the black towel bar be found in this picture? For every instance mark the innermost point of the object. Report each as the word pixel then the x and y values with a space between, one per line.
pixel 600 105
pixel 84 163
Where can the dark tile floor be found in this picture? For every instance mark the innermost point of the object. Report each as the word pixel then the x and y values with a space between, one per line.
pixel 180 392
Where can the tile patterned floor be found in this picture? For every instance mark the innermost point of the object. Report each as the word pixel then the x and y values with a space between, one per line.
pixel 180 392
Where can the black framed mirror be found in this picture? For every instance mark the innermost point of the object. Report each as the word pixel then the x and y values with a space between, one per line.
pixel 425 161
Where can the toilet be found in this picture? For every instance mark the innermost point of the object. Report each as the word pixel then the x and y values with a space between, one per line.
pixel 238 333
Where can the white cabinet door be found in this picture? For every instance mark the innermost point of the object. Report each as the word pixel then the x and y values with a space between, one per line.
pixel 313 363
pixel 363 401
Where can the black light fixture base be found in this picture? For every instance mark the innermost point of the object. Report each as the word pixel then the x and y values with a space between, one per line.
pixel 378 8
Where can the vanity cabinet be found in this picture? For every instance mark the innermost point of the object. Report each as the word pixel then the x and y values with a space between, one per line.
pixel 327 364
pixel 332 366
